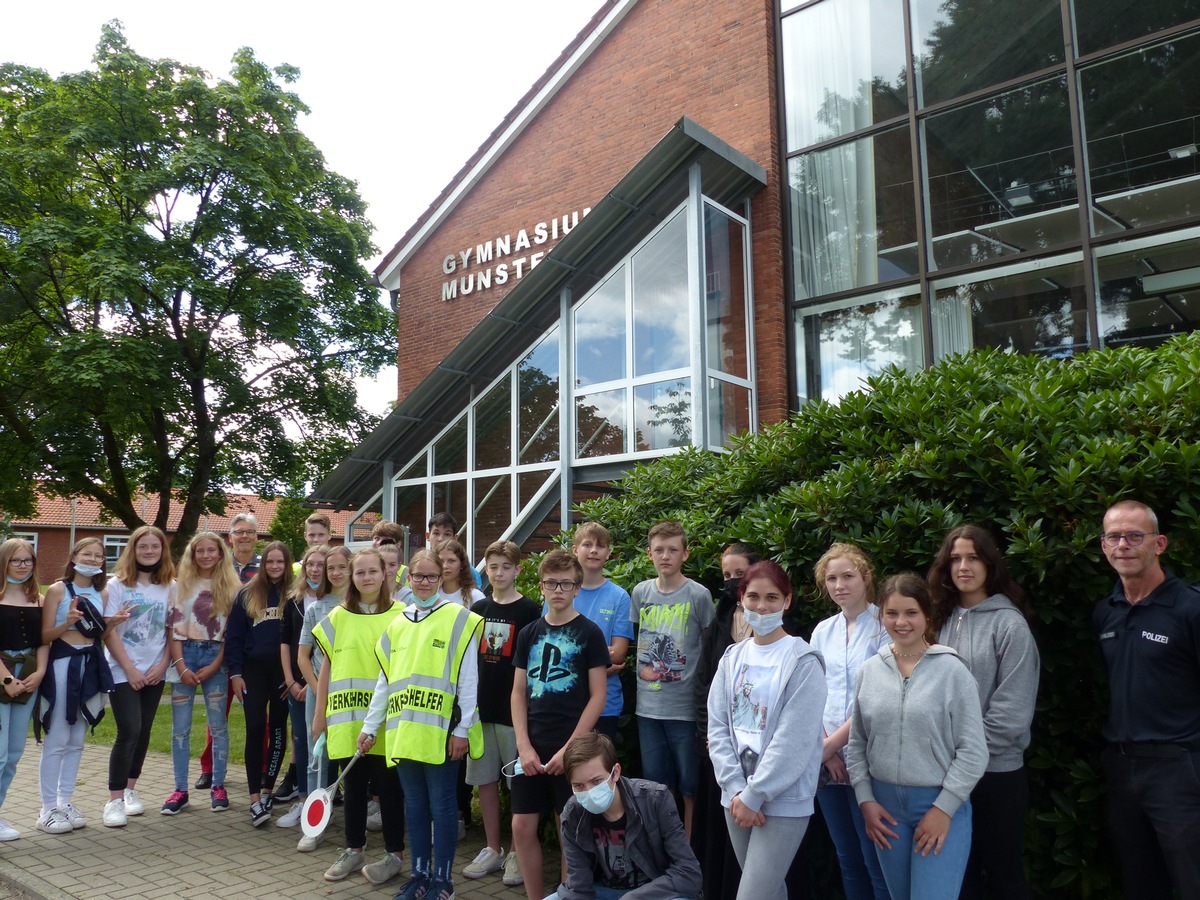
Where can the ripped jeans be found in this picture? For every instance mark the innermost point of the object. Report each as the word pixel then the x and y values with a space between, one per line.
pixel 197 655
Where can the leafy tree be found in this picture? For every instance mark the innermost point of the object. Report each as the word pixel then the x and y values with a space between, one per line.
pixel 182 302
pixel 288 523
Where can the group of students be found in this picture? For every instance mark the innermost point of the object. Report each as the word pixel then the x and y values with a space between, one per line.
pixel 905 717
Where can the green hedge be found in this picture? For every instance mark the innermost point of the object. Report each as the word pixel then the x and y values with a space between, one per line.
pixel 1034 448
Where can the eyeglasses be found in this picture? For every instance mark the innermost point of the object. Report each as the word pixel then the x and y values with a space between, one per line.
pixel 423 579
pixel 1132 538
pixel 553 587
pixel 242 533
pixel 23 563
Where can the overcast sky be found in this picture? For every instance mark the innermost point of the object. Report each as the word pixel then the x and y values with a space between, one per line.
pixel 401 94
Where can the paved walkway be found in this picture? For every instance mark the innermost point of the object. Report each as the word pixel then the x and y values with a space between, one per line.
pixel 196 854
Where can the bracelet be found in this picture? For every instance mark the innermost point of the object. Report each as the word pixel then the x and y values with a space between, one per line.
pixel 176 662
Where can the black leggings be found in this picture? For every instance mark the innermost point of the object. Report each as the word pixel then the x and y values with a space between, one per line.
pixel 265 704
pixel 996 867
pixel 133 712
pixel 371 775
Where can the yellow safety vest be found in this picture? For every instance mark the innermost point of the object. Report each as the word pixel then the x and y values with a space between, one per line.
pixel 422 661
pixel 348 641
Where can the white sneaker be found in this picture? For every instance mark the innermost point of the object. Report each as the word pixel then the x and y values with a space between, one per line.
pixel 308 844
pixel 54 821
pixel 374 817
pixel 133 803
pixel 115 813
pixel 384 870
pixel 485 862
pixel 74 816
pixel 512 870
pixel 291 818
pixel 7 832
pixel 348 862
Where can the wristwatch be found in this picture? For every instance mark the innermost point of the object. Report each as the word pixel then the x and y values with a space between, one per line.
pixel 8 679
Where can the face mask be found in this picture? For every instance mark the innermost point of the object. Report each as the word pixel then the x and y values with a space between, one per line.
pixel 87 571
pixel 312 585
pixel 763 623
pixel 598 799
pixel 12 580
pixel 729 591
pixel 427 604
pixel 143 568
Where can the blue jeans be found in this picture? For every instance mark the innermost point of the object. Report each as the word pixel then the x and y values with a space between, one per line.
pixel 669 753
pixel 431 795
pixel 318 763
pixel 14 731
pixel 862 879
pixel 299 743
pixel 910 875
pixel 197 655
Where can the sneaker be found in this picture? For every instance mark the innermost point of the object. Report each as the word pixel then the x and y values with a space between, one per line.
pixel 267 799
pixel 287 792
pixel 204 782
pixel 115 813
pixel 512 870
pixel 347 863
pixel 176 803
pixel 133 803
pixel 291 818
pixel 374 817
pixel 74 816
pixel 384 870
pixel 259 814
pixel 7 832
pixel 308 844
pixel 485 863
pixel 414 889
pixel 441 890
pixel 220 799
pixel 54 821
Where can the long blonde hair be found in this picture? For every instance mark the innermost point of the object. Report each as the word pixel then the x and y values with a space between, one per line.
pixel 30 587
pixel 98 581
pixel 225 581
pixel 258 591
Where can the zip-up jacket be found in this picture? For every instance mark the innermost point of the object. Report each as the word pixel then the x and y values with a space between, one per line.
pixel 784 781
pixel 926 731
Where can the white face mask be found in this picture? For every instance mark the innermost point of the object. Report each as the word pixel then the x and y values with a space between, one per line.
pixel 88 571
pixel 599 798
pixel 763 623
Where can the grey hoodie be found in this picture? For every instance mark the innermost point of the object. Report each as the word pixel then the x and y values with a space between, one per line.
pixel 995 642
pixel 785 778
pixel 926 733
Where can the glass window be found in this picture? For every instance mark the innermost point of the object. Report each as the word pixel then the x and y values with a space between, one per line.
pixel 852 214
pixel 660 301
pixel 411 511
pixel 418 468
pixel 728 411
pixel 964 47
pixel 1001 175
pixel 663 414
pixel 843 68
pixel 1037 309
pixel 450 452
pixel 1143 129
pixel 113 547
pixel 537 411
pixel 600 424
pixel 528 484
pixel 841 345
pixel 493 426
pixel 600 333
pixel 451 497
pixel 725 293
pixel 1102 23
pixel 493 512
pixel 1150 294
pixel 28 536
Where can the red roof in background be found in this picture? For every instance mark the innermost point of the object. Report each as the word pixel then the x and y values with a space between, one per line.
pixel 55 512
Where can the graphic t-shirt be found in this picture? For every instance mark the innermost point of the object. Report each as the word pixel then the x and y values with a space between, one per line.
pixel 191 618
pixel 144 635
pixel 608 606
pixel 502 622
pixel 670 627
pixel 614 866
pixel 754 690
pixel 556 660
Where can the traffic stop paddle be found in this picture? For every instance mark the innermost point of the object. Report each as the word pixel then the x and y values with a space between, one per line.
pixel 319 806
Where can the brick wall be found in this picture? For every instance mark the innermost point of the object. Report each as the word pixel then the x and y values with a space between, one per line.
pixel 712 61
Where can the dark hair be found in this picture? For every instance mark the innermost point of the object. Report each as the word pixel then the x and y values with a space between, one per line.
pixel 560 560
pixel 748 551
pixel 770 570
pixel 256 594
pixel 998 581
pixel 910 584
pixel 443 520
pixel 586 747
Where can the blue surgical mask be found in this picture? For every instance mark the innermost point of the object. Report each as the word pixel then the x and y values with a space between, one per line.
pixel 599 798
pixel 763 623
pixel 88 571
pixel 312 585
pixel 429 603
pixel 12 580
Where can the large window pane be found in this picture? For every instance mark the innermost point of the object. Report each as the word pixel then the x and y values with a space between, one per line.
pixel 843 68
pixel 600 333
pixel 537 403
pixel 1143 128
pixel 1039 310
pixel 1150 294
pixel 1102 23
pixel 728 411
pixel 450 452
pixel 493 512
pixel 1001 175
pixel 852 214
pixel 528 484
pixel 451 497
pixel 410 511
pixel 600 424
pixel 663 414
pixel 725 293
pixel 962 46
pixel 493 427
pixel 840 346
pixel 660 301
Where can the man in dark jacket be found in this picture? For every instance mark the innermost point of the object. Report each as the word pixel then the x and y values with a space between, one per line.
pixel 622 837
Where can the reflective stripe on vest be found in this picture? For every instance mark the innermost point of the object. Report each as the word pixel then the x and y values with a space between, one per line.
pixel 349 640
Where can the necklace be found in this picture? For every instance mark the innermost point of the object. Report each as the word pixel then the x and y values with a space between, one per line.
pixel 909 655
pixel 741 630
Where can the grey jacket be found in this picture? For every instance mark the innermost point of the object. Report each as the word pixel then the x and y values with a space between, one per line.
pixel 654 838
pixel 926 733
pixel 784 780
pixel 998 648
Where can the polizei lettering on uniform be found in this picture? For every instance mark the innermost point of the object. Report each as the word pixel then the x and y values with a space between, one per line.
pixel 1157 638
pixel 418 698
pixel 491 253
pixel 344 700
